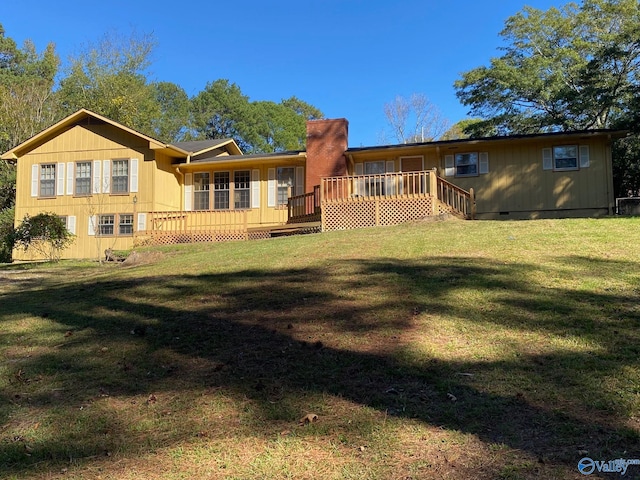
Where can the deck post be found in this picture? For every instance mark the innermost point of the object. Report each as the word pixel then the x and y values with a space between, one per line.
pixel 433 182
pixel 472 203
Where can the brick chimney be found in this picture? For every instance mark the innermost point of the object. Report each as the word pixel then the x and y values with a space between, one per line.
pixel 327 140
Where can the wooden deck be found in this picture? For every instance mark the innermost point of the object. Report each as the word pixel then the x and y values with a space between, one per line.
pixel 338 203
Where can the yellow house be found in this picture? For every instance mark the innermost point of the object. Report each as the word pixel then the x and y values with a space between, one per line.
pixel 117 188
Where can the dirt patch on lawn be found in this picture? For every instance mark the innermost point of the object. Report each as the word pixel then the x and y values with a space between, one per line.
pixel 142 258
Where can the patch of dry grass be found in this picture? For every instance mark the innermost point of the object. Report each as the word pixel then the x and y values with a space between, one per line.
pixel 431 350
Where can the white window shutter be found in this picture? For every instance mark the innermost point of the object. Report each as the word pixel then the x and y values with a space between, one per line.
pixel 71 224
pixel 70 166
pixel 484 163
pixel 142 222
pixel 449 166
pixel 97 166
pixel 106 176
pixel 299 180
pixel 134 176
pixel 255 188
pixel 359 169
pixel 188 191
pixel 584 156
pixel 271 187
pixel 547 159
pixel 60 179
pixel 35 172
pixel 391 166
pixel 93 224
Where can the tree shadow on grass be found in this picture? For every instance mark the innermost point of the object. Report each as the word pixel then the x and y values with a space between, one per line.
pixel 274 338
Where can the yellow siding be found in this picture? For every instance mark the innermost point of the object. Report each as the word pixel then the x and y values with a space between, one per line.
pixel 264 215
pixel 166 185
pixel 82 143
pixel 516 185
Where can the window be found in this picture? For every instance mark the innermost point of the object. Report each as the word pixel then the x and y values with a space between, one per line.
pixel 565 157
pixel 106 224
pixel 48 180
pixel 241 189
pixel 466 164
pixel 374 186
pixel 125 226
pixel 120 176
pixel 221 190
pixel 286 180
pixel 83 178
pixel 201 191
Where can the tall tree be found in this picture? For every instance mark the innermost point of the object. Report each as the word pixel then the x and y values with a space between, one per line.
pixel 414 119
pixel 27 106
pixel 221 110
pixel 110 78
pixel 277 127
pixel 26 90
pixel 571 68
pixel 173 116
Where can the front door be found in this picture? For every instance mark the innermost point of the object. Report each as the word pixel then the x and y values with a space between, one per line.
pixel 414 183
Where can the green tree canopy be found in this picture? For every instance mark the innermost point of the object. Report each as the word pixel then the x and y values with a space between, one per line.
pixel 26 90
pixel 221 110
pixel 172 118
pixel 110 78
pixel 571 68
pixel 45 234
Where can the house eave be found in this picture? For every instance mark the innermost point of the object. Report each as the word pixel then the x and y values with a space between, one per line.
pixel 452 144
pixel 235 160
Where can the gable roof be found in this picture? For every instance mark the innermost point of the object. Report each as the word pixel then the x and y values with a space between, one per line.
pixel 200 147
pixel 68 122
pixel 180 149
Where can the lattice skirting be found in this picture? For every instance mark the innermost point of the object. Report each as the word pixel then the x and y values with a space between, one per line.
pixel 172 238
pixel 381 212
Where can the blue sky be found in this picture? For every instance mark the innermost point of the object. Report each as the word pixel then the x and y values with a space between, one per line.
pixel 346 57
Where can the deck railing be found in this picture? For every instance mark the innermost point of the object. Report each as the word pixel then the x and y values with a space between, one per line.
pixel 305 207
pixel 457 198
pixel 388 185
pixel 197 221
pixel 398 185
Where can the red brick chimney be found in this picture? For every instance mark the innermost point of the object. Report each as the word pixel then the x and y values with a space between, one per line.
pixel 327 140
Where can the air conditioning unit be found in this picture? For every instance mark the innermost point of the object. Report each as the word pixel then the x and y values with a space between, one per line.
pixel 628 206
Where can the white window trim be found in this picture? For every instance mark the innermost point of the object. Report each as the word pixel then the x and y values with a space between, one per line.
pixel 582 158
pixel 477 164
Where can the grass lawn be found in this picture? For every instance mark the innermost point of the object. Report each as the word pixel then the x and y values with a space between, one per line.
pixel 488 350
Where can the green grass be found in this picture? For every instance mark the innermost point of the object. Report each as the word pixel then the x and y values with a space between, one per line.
pixel 428 350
